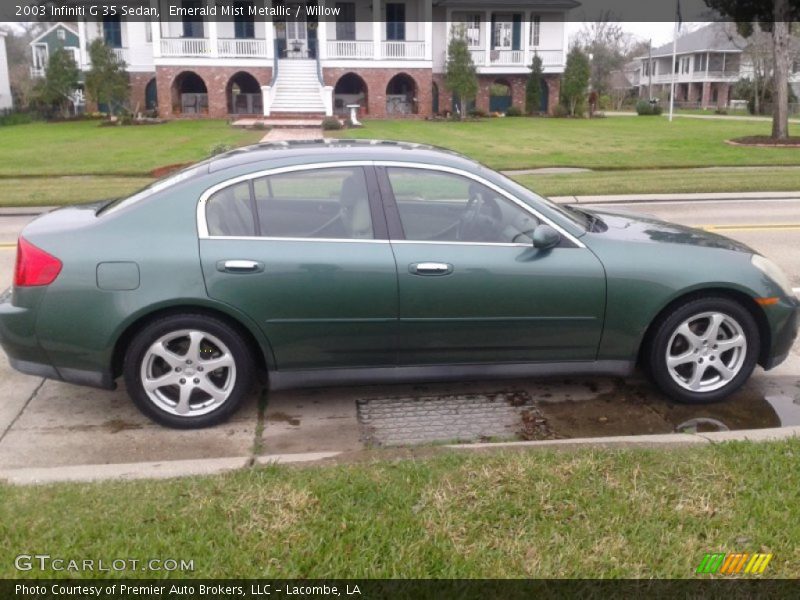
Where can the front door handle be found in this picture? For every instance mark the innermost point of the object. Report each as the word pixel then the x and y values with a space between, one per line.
pixel 240 266
pixel 430 268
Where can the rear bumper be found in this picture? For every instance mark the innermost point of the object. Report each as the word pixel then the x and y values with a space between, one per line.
pixel 784 332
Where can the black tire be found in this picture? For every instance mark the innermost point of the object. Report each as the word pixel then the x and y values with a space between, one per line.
pixel 656 356
pixel 139 350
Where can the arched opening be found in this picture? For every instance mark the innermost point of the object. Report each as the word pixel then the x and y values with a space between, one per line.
pixel 434 99
pixel 401 95
pixel 151 95
pixel 244 95
pixel 544 103
pixel 500 99
pixel 189 94
pixel 350 89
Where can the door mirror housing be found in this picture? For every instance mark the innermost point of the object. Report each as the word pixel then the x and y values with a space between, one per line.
pixel 545 237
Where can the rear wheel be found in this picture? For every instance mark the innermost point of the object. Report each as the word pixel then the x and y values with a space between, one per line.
pixel 188 371
pixel 704 350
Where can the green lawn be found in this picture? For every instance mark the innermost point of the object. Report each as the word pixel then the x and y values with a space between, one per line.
pixel 53 191
pixel 663 181
pixel 587 513
pixel 610 143
pixel 85 148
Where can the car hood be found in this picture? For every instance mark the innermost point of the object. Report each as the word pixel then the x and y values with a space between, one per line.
pixel 636 227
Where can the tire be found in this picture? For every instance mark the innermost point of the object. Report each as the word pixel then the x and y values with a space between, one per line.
pixel 169 376
pixel 691 364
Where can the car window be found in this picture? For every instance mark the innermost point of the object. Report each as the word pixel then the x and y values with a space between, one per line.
pixel 438 206
pixel 229 212
pixel 314 203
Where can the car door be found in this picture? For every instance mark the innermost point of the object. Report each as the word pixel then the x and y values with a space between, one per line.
pixel 303 252
pixel 472 288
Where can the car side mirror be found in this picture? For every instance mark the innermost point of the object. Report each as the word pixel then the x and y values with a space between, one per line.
pixel 545 237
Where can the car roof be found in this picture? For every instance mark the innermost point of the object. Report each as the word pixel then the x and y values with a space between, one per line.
pixel 310 151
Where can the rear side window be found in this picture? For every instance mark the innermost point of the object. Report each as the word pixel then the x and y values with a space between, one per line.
pixel 229 212
pixel 315 203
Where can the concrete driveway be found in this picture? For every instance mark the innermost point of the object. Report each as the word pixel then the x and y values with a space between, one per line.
pixel 47 424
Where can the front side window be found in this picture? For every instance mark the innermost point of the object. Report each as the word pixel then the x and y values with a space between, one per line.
pixel 443 207
pixel 316 203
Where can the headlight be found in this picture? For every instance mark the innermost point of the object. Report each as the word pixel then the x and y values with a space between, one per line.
pixel 774 272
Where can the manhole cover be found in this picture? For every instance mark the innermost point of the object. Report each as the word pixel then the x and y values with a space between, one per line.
pixel 465 417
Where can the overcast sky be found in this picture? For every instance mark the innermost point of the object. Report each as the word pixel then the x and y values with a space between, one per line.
pixel 660 32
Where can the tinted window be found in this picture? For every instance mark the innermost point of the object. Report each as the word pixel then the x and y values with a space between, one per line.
pixel 314 203
pixel 436 206
pixel 229 212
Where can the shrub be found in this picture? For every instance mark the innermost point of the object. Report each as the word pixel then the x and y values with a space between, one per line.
pixel 560 111
pixel 331 124
pixel 478 113
pixel 15 118
pixel 219 148
pixel 513 111
pixel 720 111
pixel 645 108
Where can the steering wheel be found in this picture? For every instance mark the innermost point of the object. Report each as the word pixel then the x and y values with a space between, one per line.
pixel 480 213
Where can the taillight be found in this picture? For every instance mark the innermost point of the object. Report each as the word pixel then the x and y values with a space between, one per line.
pixel 34 265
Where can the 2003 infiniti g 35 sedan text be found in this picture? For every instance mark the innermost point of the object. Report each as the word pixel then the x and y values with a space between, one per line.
pixel 325 263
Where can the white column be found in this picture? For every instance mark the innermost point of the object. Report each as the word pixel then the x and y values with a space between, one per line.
pixel 428 16
pixel 524 33
pixel 212 38
pixel 269 36
pixel 322 35
pixel 155 31
pixel 82 44
pixel 487 58
pixel 377 29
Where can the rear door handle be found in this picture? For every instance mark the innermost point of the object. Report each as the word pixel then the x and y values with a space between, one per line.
pixel 430 268
pixel 240 266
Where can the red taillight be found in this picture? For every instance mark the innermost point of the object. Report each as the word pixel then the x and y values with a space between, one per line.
pixel 34 265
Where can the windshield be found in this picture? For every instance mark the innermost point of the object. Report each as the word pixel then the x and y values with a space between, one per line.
pixel 580 218
pixel 153 188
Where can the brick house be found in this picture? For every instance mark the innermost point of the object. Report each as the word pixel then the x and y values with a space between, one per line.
pixel 392 66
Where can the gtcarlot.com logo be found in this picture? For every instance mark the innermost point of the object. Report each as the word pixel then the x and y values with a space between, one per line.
pixel 737 563
pixel 46 562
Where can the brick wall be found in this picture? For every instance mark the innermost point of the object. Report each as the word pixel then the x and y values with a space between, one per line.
pixel 516 82
pixel 376 81
pixel 138 84
pixel 216 80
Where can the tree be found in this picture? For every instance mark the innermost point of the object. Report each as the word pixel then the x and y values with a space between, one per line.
pixel 54 91
pixel 575 81
pixel 774 16
pixel 461 76
pixel 533 88
pixel 107 80
pixel 608 45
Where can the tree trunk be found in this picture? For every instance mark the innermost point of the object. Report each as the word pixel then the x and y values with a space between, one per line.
pixel 780 48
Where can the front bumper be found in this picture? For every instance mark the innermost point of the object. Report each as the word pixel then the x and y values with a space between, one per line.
pixel 784 331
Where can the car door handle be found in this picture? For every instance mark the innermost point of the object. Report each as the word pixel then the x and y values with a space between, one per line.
pixel 240 266
pixel 430 268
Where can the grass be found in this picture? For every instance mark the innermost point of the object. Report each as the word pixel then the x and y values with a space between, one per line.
pixel 611 143
pixel 586 513
pixel 54 191
pixel 85 148
pixel 663 181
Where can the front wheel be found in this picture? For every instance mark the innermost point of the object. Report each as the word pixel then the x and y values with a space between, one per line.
pixel 704 350
pixel 188 371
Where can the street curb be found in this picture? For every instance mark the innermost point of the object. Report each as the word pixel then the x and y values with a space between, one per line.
pixel 666 439
pixel 704 197
pixel 150 470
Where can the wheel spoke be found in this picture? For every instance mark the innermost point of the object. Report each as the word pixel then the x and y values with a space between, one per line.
pixel 168 356
pixel 195 339
pixel 681 359
pixel 693 339
pixel 226 360
pixel 726 373
pixel 697 376
pixel 735 342
pixel 212 390
pixel 182 408
pixel 712 333
pixel 170 378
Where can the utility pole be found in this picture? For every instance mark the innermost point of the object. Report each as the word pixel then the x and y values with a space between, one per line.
pixel 650 69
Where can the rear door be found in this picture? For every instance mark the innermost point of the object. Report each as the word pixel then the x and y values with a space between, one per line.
pixel 304 252
pixel 472 287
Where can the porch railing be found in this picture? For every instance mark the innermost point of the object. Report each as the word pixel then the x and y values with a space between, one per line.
pixel 407 50
pixel 121 54
pixel 245 48
pixel 507 57
pixel 350 49
pixel 185 47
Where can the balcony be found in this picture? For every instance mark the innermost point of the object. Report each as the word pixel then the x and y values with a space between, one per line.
pixel 516 58
pixel 403 50
pixel 185 47
pixel 242 48
pixel 351 49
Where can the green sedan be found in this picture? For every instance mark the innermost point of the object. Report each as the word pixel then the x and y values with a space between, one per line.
pixel 362 262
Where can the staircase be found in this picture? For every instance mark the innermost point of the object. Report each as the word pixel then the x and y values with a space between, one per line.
pixel 297 89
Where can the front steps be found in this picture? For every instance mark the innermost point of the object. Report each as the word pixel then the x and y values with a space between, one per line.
pixel 297 90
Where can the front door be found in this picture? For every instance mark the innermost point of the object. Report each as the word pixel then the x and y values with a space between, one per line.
pixel 309 268
pixel 473 289
pixel 296 32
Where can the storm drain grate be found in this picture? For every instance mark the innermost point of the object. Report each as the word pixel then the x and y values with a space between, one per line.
pixel 459 417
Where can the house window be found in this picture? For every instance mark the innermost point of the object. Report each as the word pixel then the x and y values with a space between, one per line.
pixel 346 21
pixel 536 22
pixel 685 64
pixel 699 62
pixel 193 26
pixel 473 30
pixel 40 56
pixel 395 21
pixel 244 25
pixel 112 31
pixel 503 33
pixel 61 34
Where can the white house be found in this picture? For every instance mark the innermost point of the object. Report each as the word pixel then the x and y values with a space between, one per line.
pixel 392 65
pixel 6 101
